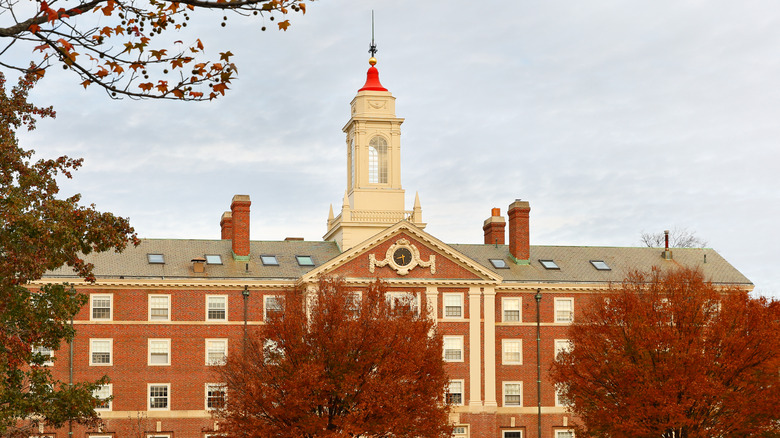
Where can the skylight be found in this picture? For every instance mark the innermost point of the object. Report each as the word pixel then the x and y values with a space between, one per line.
pixel 269 260
pixel 549 264
pixel 305 260
pixel 155 258
pixel 499 263
pixel 601 265
pixel 214 259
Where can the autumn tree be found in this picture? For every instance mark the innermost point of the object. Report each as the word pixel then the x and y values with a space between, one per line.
pixel 133 48
pixel 678 238
pixel 335 362
pixel 38 232
pixel 667 354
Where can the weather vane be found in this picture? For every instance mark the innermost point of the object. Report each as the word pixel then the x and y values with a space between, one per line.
pixel 372 48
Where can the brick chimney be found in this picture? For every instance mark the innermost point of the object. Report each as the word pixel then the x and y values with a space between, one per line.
pixel 494 228
pixel 519 242
pixel 226 225
pixel 240 218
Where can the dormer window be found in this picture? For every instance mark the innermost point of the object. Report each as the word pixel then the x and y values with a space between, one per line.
pixel 377 161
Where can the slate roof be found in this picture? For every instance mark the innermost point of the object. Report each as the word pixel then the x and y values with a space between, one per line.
pixel 574 261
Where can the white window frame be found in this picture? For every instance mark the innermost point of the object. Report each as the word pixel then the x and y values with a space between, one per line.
pixel 504 301
pixel 150 300
pixel 559 310
pixel 558 399
pixel 394 297
pixel 568 433
pixel 45 351
pixel 504 345
pixel 459 340
pixel 562 345
pixel 266 298
pixel 93 350
pixel 206 399
pixel 92 307
pixel 110 391
pixel 167 343
pixel 460 306
pixel 504 393
pixel 220 362
pixel 167 396
pixel 464 434
pixel 215 297
pixel 462 391
pixel 504 432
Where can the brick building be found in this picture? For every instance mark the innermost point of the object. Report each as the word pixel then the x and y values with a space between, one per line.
pixel 163 315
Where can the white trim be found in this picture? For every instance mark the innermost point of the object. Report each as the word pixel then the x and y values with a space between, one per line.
pixel 462 383
pixel 504 432
pixel 279 298
pixel 47 352
pixel 92 350
pixel 504 360
pixel 149 351
pixel 149 300
pixel 460 306
pixel 206 394
pixel 210 296
pixel 92 298
pixel 504 393
pixel 393 297
pixel 110 393
pixel 167 396
pixel 568 433
pixel 459 340
pixel 225 351
pixel 561 345
pixel 504 301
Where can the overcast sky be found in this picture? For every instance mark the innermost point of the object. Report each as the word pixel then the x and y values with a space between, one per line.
pixel 612 118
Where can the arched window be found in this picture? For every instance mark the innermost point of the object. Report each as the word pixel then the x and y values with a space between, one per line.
pixel 377 161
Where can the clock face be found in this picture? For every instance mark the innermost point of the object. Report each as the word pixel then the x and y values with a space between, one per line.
pixel 402 256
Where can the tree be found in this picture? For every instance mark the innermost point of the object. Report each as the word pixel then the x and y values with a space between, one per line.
pixel 671 355
pixel 126 46
pixel 678 238
pixel 339 363
pixel 39 232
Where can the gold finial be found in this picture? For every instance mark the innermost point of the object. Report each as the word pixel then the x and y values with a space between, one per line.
pixel 372 61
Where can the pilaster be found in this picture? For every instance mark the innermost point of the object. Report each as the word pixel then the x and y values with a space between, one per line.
pixel 475 362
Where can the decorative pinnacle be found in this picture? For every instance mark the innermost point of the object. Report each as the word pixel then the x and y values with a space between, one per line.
pixel 372 47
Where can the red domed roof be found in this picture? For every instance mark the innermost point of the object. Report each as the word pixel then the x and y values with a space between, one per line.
pixel 372 81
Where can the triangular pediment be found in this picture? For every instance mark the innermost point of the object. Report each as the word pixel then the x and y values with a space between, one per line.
pixel 404 252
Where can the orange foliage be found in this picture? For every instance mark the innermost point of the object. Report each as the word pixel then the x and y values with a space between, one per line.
pixel 337 364
pixel 671 355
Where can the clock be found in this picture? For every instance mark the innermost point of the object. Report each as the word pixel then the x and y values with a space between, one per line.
pixel 402 256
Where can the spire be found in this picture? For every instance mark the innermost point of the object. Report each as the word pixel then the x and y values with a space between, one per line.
pixel 372 77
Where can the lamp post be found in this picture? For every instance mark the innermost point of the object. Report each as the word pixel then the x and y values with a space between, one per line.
pixel 245 293
pixel 538 298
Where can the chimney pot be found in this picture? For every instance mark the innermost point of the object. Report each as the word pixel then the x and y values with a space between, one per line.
pixel 494 227
pixel 519 232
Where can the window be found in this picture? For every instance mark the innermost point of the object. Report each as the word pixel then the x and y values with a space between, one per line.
pixel 216 307
pixel 600 265
pixel 549 264
pixel 453 348
pixel 512 434
pixel 100 307
pixel 269 260
pixel 453 305
pixel 499 263
pixel 100 351
pixel 159 307
pixel 159 351
pixel 562 345
pixel 511 308
pixel 377 161
pixel 216 351
pixel 512 351
pixel 156 259
pixel 560 400
pixel 213 259
pixel 272 353
pixel 460 432
pixel 564 309
pixel 46 353
pixel 304 260
pixel 273 305
pixel 455 392
pixel 103 394
pixel 564 434
pixel 513 393
pixel 402 300
pixel 159 396
pixel 215 395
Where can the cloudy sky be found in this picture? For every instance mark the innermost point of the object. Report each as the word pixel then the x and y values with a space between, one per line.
pixel 612 118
